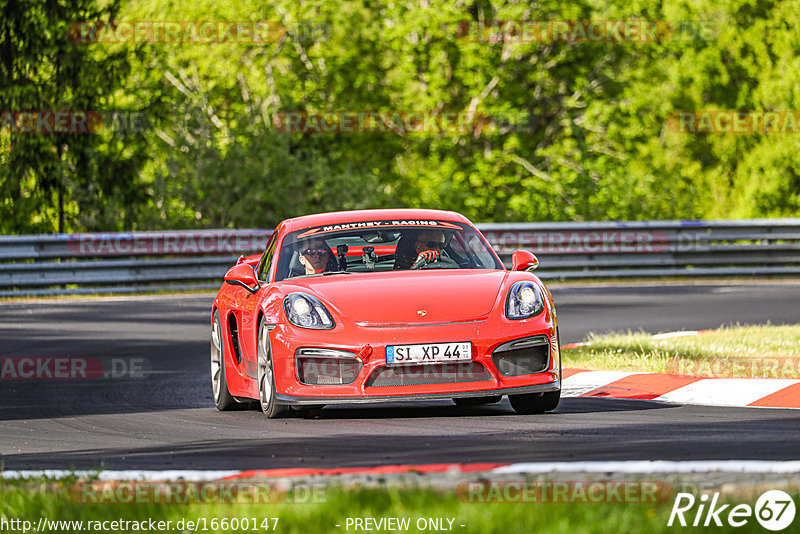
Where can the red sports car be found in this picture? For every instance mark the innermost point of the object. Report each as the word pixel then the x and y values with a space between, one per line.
pixel 383 305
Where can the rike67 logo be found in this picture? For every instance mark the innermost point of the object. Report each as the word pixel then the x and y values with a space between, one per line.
pixel 774 510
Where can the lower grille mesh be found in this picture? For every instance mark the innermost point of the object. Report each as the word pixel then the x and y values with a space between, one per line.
pixel 412 375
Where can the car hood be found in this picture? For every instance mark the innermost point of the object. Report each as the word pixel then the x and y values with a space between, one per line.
pixel 411 296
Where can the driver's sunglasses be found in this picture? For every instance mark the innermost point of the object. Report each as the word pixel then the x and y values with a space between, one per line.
pixel 314 252
pixel 438 245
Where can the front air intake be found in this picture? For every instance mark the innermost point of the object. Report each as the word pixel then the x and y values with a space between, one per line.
pixel 523 356
pixel 326 367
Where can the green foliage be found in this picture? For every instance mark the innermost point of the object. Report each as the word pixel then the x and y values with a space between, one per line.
pixel 579 130
pixel 60 181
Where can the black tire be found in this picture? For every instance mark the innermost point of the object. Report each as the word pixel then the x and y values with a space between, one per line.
pixel 533 403
pixel 266 376
pixel 477 401
pixel 219 383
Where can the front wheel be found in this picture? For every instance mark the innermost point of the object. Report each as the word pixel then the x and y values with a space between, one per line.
pixel 531 403
pixel 266 376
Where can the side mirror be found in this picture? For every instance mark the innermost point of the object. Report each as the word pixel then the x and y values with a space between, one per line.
pixel 242 275
pixel 523 260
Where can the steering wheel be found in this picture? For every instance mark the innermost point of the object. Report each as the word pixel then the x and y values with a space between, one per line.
pixel 442 263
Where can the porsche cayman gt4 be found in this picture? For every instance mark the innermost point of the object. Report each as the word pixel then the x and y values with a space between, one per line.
pixel 379 306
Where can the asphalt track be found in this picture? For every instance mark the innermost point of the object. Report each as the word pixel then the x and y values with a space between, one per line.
pixel 167 420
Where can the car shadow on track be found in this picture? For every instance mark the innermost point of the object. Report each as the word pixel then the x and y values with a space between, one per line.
pixel 501 409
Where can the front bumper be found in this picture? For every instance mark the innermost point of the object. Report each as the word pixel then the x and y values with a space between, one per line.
pixel 305 401
pixel 485 335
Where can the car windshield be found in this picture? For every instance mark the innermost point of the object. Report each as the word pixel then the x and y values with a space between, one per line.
pixel 361 247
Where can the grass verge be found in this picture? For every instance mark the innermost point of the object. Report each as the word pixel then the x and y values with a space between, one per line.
pixel 27 501
pixel 764 351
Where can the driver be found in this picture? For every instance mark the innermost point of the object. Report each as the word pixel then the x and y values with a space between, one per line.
pixel 314 256
pixel 429 245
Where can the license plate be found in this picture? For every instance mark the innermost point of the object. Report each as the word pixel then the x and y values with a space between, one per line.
pixel 429 353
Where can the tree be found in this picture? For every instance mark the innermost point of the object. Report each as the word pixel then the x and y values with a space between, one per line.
pixel 53 180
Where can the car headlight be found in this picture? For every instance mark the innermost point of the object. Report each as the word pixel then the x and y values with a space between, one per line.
pixel 524 300
pixel 306 311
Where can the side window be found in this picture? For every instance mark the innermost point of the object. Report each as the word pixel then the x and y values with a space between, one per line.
pixel 266 258
pixel 482 257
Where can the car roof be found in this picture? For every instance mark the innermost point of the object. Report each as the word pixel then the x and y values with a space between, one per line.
pixel 338 217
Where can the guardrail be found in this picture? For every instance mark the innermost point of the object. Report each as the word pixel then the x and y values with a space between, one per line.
pixel 147 261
